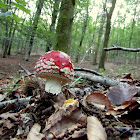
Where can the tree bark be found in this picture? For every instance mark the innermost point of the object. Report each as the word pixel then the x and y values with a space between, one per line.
pixel 99 39
pixel 64 26
pixel 107 33
pixel 82 36
pixel 6 42
pixel 49 44
pixel 132 28
pixel 122 48
pixel 34 27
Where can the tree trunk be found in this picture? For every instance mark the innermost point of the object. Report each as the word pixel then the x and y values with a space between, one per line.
pixel 64 26
pixel 82 37
pixel 52 26
pixel 99 39
pixel 11 40
pixel 34 27
pixel 107 33
pixel 6 42
pixel 132 29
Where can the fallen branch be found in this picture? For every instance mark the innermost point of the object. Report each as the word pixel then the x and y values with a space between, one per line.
pixel 22 100
pixel 122 48
pixel 98 79
pixel 102 80
pixel 87 70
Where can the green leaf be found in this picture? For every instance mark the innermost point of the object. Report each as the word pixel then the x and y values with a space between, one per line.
pixel 22 8
pixel 22 2
pixel 3 6
pixel 16 17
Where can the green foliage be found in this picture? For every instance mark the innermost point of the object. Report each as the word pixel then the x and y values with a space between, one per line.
pixel 21 7
pixel 3 6
pixel 16 17
pixel 22 2
pixel 120 30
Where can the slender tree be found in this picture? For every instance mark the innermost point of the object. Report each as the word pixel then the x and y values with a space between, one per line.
pixel 64 26
pixel 6 42
pixel 107 33
pixel 34 27
pixel 83 33
pixel 49 44
pixel 99 39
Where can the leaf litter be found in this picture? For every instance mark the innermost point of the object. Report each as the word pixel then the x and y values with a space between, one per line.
pixel 84 110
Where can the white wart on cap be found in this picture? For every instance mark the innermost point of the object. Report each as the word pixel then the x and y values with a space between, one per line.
pixel 57 68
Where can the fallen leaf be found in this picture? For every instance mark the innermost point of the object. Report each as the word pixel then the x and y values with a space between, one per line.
pixel 13 116
pixel 65 120
pixel 121 93
pixel 99 98
pixel 3 96
pixel 95 130
pixel 127 76
pixel 34 133
pixel 6 123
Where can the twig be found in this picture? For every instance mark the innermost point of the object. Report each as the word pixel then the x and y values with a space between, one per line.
pixel 84 56
pixel 26 71
pixel 88 70
pixel 22 100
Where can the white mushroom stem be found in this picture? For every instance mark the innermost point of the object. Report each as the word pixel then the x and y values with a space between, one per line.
pixel 53 85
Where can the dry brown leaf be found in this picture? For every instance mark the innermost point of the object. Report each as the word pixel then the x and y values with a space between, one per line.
pixel 13 116
pixel 81 134
pixel 121 93
pixel 95 130
pixel 99 98
pixel 34 133
pixel 65 120
pixel 127 106
pixel 6 123
pixel 3 96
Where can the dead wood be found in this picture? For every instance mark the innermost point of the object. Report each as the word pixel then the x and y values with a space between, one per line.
pixel 122 48
pixel 87 70
pixel 25 70
pixel 102 80
pixel 21 101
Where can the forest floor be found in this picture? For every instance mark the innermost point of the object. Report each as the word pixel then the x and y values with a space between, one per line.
pixel 9 66
pixel 68 119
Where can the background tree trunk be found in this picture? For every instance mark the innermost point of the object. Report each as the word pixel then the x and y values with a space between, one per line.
pixel 34 27
pixel 64 26
pixel 6 41
pixel 107 33
pixel 50 44
pixel 99 39
pixel 83 34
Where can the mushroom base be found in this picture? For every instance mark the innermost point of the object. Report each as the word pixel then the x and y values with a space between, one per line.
pixel 53 85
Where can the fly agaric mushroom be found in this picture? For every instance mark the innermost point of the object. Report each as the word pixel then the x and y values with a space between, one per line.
pixel 57 68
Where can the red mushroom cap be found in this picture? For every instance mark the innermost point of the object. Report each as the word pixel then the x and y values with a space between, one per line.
pixel 55 63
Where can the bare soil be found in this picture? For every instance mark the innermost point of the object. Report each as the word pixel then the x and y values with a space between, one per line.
pixel 9 66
